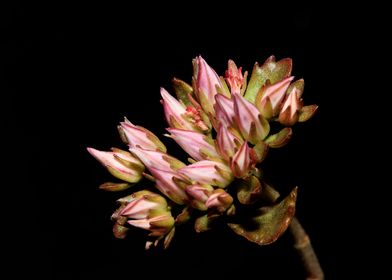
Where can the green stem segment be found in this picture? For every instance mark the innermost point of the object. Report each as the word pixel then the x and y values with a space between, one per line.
pixel 306 251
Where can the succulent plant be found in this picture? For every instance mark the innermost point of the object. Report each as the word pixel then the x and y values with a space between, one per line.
pixel 224 125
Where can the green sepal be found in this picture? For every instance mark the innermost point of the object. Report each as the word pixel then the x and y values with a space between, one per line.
pixel 279 139
pixel 182 90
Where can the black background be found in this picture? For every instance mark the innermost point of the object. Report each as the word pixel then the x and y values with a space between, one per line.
pixel 72 71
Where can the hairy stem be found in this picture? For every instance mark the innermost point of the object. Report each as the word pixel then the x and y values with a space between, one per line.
pixel 306 252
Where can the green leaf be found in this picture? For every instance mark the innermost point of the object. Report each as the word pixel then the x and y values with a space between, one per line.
pixel 270 70
pixel 205 222
pixel 184 216
pixel 279 139
pixel 224 90
pixel 120 231
pixel 244 86
pixel 307 112
pixel 268 223
pixel 249 191
pixel 168 238
pixel 299 85
pixel 115 187
pixel 259 151
pixel 182 90
pixel 256 81
pixel 175 164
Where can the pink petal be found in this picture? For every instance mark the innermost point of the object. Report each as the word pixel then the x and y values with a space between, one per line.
pixel 224 108
pixel 241 162
pixel 167 186
pixel 207 79
pixel 205 172
pixel 174 109
pixel 227 142
pixel 277 92
pixel 292 101
pixel 219 199
pixel 138 136
pixel 246 114
pixel 143 223
pixel 234 77
pixel 192 142
pixel 213 200
pixel 197 192
pixel 153 159
pixel 107 159
pixel 138 208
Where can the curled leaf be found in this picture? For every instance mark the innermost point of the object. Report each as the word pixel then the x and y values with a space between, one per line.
pixel 269 223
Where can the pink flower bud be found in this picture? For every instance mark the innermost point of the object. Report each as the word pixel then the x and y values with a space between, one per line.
pixel 197 145
pixel 234 77
pixel 270 97
pixel 138 136
pixel 157 159
pixel 199 192
pixel 178 116
pixel 227 142
pixel 206 80
pixel 199 195
pixel 208 172
pixel 252 125
pixel 241 162
pixel 290 111
pixel 224 110
pixel 143 204
pixel 120 164
pixel 168 182
pixel 159 225
pixel 219 199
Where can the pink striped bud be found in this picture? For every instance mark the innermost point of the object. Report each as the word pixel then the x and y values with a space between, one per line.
pixel 120 164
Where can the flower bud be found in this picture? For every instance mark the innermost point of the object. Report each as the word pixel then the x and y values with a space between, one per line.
pixel 290 111
pixel 251 123
pixel 206 82
pixel 208 172
pixel 220 200
pixel 169 183
pixel 241 162
pixel 120 164
pixel 138 136
pixel 197 145
pixel 269 98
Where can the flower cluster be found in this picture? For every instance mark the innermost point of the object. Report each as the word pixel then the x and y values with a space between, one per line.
pixel 223 124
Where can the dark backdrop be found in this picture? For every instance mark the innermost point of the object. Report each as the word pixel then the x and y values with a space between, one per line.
pixel 71 72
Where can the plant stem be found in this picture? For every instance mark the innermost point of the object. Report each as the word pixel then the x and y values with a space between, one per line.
pixel 306 252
